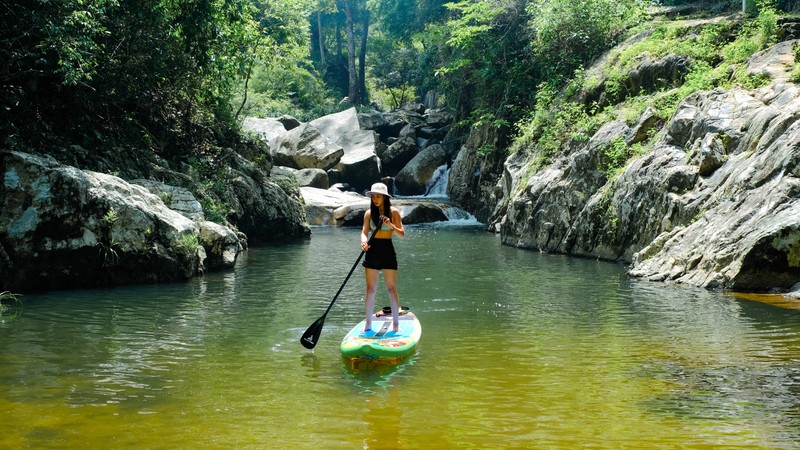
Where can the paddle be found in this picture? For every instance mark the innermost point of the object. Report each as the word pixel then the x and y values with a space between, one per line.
pixel 311 336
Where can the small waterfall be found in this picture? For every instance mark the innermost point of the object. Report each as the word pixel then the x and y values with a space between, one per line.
pixel 437 188
pixel 436 195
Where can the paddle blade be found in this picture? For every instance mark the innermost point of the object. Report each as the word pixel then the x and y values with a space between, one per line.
pixel 311 336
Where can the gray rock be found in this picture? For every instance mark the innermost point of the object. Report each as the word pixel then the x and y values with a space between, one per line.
pixel 334 126
pixel 397 155
pixel 416 176
pixel 423 213
pixel 62 227
pixel 360 166
pixel 221 244
pixel 305 147
pixel 317 178
pixel 714 204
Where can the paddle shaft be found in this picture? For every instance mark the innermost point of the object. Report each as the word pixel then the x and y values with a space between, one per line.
pixel 310 337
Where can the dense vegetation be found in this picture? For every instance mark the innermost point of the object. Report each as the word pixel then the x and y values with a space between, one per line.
pixel 123 81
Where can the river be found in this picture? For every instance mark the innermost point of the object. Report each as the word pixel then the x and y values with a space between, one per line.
pixel 519 350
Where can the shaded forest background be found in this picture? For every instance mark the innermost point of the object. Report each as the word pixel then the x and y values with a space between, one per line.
pixel 114 85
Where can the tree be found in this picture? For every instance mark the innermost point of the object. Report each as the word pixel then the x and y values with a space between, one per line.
pixel 352 91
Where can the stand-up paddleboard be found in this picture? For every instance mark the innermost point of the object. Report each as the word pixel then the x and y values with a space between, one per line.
pixel 380 342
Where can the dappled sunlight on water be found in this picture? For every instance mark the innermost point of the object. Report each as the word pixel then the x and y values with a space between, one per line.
pixel 519 350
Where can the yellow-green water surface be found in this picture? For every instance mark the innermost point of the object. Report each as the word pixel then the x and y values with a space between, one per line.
pixel 519 350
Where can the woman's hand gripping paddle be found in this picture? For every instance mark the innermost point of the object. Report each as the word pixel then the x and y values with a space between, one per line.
pixel 311 336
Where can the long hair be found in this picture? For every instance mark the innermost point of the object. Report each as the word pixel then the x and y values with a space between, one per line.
pixel 376 214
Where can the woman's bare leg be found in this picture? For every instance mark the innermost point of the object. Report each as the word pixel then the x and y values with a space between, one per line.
pixel 372 287
pixel 390 278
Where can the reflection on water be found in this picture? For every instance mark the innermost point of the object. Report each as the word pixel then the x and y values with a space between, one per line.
pixel 519 350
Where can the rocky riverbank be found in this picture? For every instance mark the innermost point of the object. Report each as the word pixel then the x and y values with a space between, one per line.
pixel 62 226
pixel 714 203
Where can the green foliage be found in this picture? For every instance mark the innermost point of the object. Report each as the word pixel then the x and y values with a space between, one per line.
pixel 214 210
pixel 278 78
pixel 108 247
pixel 617 154
pixel 484 150
pixel 190 241
pixel 556 121
pixel 394 71
pixel 755 34
pixel 482 59
pixel 147 74
pixel 111 216
pixel 109 253
pixel 552 126
pixel 570 33
pixel 404 18
pixel 796 72
pixel 279 89
pixel 473 20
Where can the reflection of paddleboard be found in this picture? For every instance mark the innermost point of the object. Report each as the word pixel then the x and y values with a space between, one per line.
pixel 380 342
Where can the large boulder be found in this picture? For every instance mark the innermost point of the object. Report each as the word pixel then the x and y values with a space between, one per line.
pixel 304 147
pixel 222 245
pixel 262 207
pixel 317 178
pixel 417 176
pixel 61 227
pixel 267 130
pixel 321 205
pixel 334 126
pixel 360 166
pixel 398 154
pixel 423 213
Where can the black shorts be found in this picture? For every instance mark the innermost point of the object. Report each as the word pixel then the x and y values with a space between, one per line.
pixel 381 255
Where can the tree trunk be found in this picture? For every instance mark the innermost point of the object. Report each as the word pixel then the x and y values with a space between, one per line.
pixel 323 65
pixel 362 76
pixel 351 55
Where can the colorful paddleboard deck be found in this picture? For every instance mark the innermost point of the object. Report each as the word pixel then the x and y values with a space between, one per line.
pixel 381 342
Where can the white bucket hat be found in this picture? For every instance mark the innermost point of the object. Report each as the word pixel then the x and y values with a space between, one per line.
pixel 378 188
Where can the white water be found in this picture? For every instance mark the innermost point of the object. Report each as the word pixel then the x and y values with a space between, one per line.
pixel 438 186
pixel 437 194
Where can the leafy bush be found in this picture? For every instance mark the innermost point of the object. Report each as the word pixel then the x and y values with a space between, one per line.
pixel 189 241
pixel 557 120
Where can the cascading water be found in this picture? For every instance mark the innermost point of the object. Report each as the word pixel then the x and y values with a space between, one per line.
pixel 436 193
pixel 437 188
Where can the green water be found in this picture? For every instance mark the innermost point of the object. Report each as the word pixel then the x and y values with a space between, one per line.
pixel 519 350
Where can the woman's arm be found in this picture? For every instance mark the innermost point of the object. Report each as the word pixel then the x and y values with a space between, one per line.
pixel 365 231
pixel 397 223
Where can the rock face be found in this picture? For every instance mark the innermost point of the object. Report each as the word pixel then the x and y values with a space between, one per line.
pixel 738 226
pixel 78 228
pixel 359 164
pixel 62 227
pixel 305 147
pixel 263 209
pixel 715 203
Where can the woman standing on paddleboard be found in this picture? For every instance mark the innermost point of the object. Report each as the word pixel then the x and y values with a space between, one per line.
pixel 380 253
